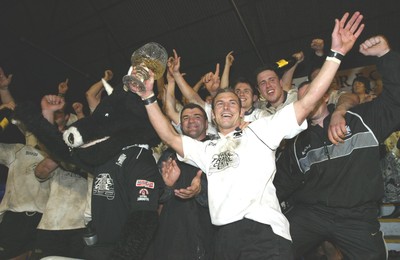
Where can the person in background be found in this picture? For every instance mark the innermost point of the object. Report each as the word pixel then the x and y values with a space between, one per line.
pixel 62 226
pixel 93 94
pixel 185 230
pixel 24 200
pixel 334 178
pixel 78 108
pixel 276 91
pixel 362 88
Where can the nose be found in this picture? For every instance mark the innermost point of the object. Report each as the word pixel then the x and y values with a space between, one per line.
pixel 226 105
pixel 191 119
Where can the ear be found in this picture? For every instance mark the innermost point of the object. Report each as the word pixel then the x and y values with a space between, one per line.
pixel 213 118
pixel 255 98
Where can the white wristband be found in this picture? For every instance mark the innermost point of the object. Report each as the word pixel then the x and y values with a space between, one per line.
pixel 336 60
pixel 149 96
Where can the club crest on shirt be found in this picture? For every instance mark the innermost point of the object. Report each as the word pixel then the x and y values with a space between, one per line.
pixel 348 131
pixel 104 186
pixel 121 159
pixel 223 161
pixel 143 195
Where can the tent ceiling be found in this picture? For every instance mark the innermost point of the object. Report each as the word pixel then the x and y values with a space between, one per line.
pixel 44 42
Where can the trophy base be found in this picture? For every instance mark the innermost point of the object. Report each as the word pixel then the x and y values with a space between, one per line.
pixel 133 84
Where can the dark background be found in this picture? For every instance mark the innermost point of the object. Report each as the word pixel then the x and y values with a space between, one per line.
pixel 43 42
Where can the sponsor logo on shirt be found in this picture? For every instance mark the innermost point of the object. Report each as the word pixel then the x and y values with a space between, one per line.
pixel 143 195
pixel 121 159
pixel 104 186
pixel 305 150
pixel 144 183
pixel 31 153
pixel 212 143
pixel 223 161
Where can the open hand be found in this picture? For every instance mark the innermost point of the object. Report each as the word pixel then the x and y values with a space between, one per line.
pixel 344 34
pixel 192 190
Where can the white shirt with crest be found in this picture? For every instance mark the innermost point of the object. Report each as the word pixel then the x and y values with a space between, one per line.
pixel 240 168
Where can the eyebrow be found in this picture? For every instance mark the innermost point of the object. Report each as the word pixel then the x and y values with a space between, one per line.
pixel 197 114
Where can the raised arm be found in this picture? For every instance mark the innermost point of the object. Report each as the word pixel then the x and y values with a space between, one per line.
pixel 63 88
pixel 93 94
pixel 170 100
pixel 160 88
pixel 229 59
pixel 158 120
pixel 387 63
pixel 287 77
pixel 375 46
pixel 187 91
pixel 198 85
pixel 344 36
pixel 50 104
pixel 212 81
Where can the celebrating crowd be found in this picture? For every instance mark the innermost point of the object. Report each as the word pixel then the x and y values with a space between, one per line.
pixel 246 171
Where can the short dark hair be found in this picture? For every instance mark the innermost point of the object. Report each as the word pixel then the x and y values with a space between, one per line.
pixel 363 80
pixel 192 106
pixel 245 81
pixel 225 90
pixel 279 73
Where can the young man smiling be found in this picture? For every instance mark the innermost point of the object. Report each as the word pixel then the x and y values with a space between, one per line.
pixel 240 166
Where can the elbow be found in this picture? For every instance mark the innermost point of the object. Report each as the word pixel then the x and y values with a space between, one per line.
pixel 88 94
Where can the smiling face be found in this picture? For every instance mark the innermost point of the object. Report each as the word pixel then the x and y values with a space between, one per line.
pixel 270 87
pixel 226 111
pixel 359 87
pixel 245 94
pixel 194 123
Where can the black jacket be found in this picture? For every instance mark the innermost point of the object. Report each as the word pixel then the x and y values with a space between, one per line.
pixel 314 171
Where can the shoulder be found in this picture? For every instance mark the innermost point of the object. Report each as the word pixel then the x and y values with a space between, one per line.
pixel 291 96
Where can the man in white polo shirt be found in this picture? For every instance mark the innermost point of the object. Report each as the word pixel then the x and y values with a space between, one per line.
pixel 240 166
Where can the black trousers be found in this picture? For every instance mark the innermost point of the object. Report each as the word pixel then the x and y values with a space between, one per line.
pixel 250 240
pixel 18 233
pixel 66 243
pixel 354 231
